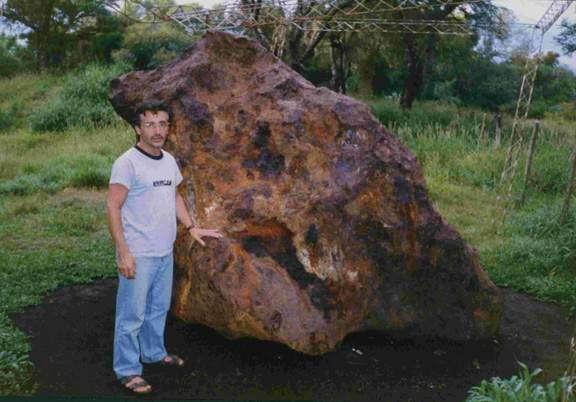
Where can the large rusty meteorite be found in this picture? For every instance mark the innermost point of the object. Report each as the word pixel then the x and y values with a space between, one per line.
pixel 328 226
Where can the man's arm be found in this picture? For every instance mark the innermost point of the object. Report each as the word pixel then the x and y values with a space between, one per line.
pixel 116 197
pixel 184 217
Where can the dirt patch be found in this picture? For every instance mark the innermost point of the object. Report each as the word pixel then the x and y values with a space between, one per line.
pixel 71 336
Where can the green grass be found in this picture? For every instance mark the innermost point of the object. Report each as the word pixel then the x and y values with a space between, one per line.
pixel 84 170
pixel 34 162
pixel 538 255
pixel 53 230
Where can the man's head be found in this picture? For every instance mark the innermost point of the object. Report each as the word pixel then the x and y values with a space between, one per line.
pixel 151 123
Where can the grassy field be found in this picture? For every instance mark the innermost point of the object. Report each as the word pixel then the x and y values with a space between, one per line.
pixel 53 229
pixel 52 188
pixel 52 209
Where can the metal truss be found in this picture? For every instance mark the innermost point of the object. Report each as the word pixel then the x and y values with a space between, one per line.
pixel 194 25
pixel 392 26
pixel 551 15
pixel 262 12
pixel 358 7
pixel 520 115
pixel 328 16
pixel 312 10
pixel 533 60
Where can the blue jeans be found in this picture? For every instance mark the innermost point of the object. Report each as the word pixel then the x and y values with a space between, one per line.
pixel 142 304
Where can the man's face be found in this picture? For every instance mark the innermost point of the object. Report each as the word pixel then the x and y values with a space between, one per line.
pixel 153 128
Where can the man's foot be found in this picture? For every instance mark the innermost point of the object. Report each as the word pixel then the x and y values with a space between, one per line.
pixel 172 361
pixel 136 384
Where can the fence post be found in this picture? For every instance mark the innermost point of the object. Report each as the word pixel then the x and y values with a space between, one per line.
pixel 569 190
pixel 483 130
pixel 529 159
pixel 497 130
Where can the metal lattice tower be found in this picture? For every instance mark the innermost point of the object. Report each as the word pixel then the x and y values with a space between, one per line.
pixel 533 60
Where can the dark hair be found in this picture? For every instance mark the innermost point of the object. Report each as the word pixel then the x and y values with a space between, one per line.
pixel 151 106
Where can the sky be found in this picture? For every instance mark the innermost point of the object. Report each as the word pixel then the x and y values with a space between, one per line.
pixel 530 12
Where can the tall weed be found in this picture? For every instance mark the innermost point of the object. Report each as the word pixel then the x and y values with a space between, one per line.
pixel 550 169
pixel 88 171
pixel 424 114
pixel 81 102
pixel 539 256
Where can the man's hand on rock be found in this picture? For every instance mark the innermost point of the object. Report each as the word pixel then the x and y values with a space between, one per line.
pixel 126 265
pixel 198 233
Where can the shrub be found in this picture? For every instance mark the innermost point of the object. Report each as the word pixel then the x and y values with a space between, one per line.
pixel 82 101
pixel 22 185
pixel 566 111
pixel 550 169
pixel 10 115
pixel 146 46
pixel 7 119
pixel 538 109
pixel 518 389
pixel 10 63
pixel 91 172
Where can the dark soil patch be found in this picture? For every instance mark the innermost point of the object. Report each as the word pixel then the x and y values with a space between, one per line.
pixel 71 336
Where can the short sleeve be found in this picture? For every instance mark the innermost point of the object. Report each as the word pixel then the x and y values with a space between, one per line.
pixel 122 173
pixel 177 174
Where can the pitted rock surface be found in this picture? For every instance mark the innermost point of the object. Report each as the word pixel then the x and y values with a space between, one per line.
pixel 327 222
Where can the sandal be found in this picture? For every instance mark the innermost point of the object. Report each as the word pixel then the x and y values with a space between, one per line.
pixel 136 384
pixel 172 361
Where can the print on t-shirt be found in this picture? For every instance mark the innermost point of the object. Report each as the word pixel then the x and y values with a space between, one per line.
pixel 165 182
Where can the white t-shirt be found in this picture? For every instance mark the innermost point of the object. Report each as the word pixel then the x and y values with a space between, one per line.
pixel 149 212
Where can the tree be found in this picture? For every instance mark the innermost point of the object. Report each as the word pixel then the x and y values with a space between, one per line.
pixel 483 18
pixel 419 55
pixel 489 85
pixel 567 37
pixel 419 51
pixel 98 38
pixel 147 45
pixel 50 25
pixel 10 63
pixel 151 39
pixel 554 84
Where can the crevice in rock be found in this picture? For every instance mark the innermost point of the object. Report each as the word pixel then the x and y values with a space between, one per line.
pixel 271 238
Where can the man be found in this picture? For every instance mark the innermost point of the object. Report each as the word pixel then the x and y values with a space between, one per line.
pixel 143 206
